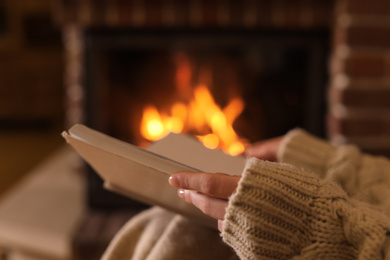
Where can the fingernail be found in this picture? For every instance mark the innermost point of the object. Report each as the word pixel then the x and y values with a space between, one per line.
pixel 181 192
pixel 174 181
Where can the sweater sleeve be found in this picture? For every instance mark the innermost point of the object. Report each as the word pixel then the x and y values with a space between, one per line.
pixel 305 151
pixel 363 177
pixel 281 212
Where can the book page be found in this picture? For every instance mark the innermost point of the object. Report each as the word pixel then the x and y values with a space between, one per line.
pixel 189 151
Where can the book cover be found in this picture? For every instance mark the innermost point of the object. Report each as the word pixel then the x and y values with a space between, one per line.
pixel 143 174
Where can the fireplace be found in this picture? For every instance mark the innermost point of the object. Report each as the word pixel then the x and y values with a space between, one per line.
pixel 115 70
pixel 358 88
pixel 279 74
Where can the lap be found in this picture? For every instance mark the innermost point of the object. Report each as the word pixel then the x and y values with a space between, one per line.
pixel 160 234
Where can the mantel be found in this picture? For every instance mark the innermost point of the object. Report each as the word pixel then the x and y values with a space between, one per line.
pixel 173 13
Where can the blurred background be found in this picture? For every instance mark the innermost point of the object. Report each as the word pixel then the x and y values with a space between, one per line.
pixel 268 66
pixel 31 86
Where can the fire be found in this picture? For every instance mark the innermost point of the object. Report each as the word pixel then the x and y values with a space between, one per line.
pixel 201 116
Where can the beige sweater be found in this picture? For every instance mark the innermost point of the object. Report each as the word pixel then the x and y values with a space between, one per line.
pixel 313 204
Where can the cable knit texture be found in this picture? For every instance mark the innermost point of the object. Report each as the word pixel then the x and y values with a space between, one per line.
pixel 364 177
pixel 280 211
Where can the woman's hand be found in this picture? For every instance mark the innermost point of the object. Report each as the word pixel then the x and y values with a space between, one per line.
pixel 265 150
pixel 207 191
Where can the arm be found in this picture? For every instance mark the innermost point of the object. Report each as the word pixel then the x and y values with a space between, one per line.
pixel 322 214
pixel 280 211
pixel 363 177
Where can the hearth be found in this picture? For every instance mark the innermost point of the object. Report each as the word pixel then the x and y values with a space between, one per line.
pixel 279 75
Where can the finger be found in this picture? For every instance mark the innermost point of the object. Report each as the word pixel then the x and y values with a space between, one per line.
pixel 211 206
pixel 265 150
pixel 217 185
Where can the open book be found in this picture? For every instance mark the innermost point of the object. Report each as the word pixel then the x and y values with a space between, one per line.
pixel 143 174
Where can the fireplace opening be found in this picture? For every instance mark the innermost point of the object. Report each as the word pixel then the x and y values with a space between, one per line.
pixel 280 77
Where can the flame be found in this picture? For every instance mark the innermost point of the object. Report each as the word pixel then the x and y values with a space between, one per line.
pixel 152 127
pixel 202 117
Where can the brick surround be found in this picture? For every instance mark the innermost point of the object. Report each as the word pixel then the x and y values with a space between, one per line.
pixel 359 90
pixel 359 65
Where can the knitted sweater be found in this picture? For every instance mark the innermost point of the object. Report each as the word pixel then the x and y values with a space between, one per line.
pixel 317 202
pixel 282 211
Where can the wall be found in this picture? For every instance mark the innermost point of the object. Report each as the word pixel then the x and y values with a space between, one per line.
pixel 31 65
pixel 359 92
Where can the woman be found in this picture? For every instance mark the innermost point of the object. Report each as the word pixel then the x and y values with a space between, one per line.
pixel 298 198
